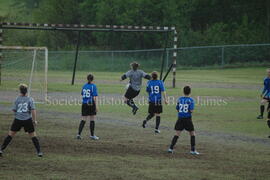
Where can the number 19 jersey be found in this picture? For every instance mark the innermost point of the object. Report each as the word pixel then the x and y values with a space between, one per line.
pixel 154 89
pixel 184 107
pixel 89 91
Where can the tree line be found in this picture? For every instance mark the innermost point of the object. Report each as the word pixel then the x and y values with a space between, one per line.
pixel 199 22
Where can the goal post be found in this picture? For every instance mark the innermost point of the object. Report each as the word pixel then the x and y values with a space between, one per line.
pixel 20 64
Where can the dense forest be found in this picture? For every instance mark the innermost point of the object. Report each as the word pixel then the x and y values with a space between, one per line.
pixel 199 22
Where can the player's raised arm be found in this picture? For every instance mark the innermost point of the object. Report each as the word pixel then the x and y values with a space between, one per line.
pixel 33 111
pixel 145 75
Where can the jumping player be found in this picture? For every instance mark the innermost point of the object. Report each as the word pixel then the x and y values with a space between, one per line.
pixel 89 107
pixel 135 76
pixel 25 116
pixel 185 107
pixel 265 95
pixel 155 89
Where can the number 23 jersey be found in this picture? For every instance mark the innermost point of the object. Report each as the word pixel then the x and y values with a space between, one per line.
pixel 22 107
pixel 89 91
pixel 184 107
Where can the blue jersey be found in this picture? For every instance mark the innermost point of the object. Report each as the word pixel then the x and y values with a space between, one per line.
pixel 184 107
pixel 154 89
pixel 89 91
pixel 266 89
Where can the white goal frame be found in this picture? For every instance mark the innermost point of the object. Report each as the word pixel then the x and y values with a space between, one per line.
pixel 34 49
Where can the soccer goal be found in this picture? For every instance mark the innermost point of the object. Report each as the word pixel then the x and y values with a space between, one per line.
pixel 27 65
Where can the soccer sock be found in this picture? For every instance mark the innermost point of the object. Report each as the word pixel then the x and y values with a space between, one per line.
pixel 36 144
pixel 150 116
pixel 157 122
pixel 82 123
pixel 192 143
pixel 174 140
pixel 262 110
pixel 268 123
pixel 92 128
pixel 131 103
pixel 6 142
pixel 268 107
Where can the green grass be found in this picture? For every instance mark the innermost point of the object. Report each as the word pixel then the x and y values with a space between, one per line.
pixel 229 136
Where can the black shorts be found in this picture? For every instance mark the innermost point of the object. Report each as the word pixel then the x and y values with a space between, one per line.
pixel 184 124
pixel 89 109
pixel 131 93
pixel 26 124
pixel 155 108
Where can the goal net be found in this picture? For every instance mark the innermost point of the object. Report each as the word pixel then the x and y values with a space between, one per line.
pixel 27 65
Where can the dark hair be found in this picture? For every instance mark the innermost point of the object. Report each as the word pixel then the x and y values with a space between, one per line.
pixel 134 65
pixel 90 78
pixel 154 75
pixel 187 90
pixel 23 89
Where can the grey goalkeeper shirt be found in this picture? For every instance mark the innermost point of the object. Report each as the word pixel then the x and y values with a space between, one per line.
pixel 22 107
pixel 135 78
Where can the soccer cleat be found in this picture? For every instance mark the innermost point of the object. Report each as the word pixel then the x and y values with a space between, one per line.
pixel 170 150
pixel 144 124
pixel 134 110
pixel 94 137
pixel 260 117
pixel 268 136
pixel 157 131
pixel 78 137
pixel 1 153
pixel 194 153
pixel 40 154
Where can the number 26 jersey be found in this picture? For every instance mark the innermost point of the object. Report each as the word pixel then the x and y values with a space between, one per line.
pixel 89 91
pixel 184 107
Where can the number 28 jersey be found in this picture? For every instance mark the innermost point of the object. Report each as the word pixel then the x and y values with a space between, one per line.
pixel 89 91
pixel 22 107
pixel 184 107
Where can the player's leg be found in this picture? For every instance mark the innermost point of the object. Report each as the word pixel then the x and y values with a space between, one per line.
pixel 7 140
pixel 262 108
pixel 84 112
pixel 36 143
pixel 81 126
pixel 190 128
pixel 129 96
pixel 150 114
pixel 174 141
pixel 193 143
pixel 15 127
pixel 92 127
pixel 179 127
pixel 30 129
pixel 157 123
pixel 158 111
pixel 268 118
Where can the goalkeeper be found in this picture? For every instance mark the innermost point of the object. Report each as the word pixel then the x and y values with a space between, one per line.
pixel 135 76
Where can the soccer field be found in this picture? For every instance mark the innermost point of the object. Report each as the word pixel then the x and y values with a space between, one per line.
pixel 232 142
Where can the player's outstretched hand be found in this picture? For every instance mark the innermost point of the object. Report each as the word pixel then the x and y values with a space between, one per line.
pixel 35 122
